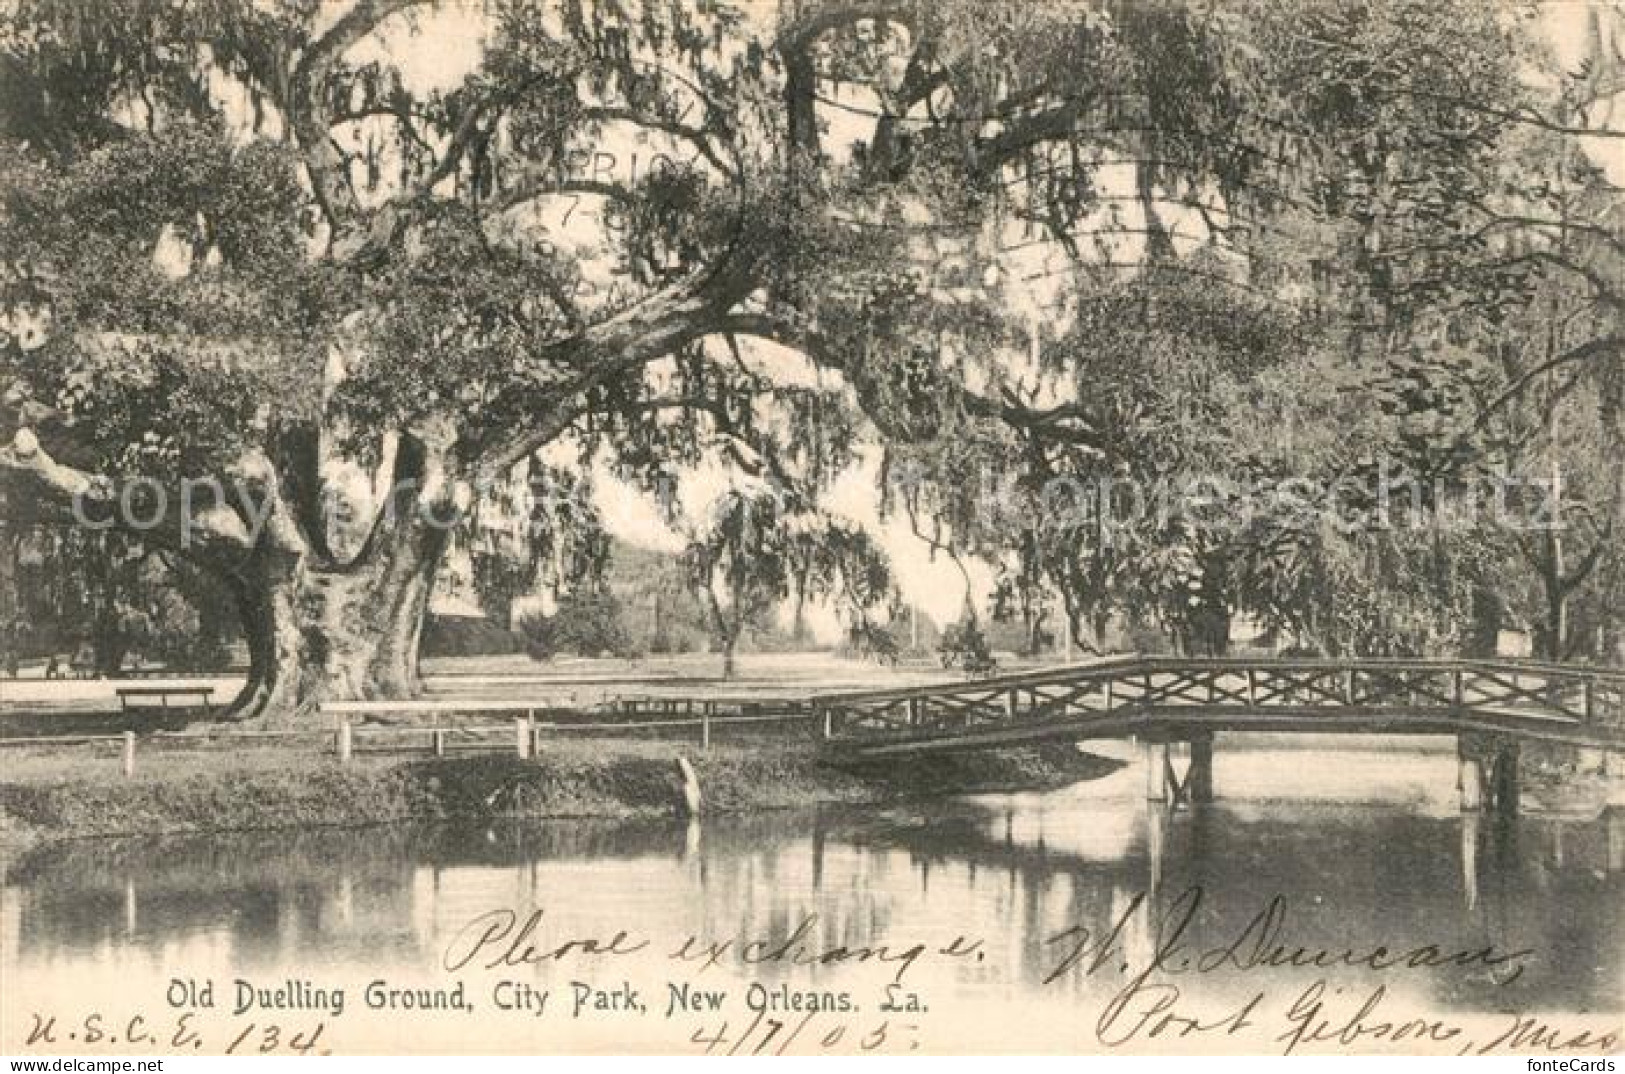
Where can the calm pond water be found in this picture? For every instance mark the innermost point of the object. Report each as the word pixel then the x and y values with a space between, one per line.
pixel 1072 920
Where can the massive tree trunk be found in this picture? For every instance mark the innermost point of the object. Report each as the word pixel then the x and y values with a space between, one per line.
pixel 322 633
pixel 321 628
pixel 320 625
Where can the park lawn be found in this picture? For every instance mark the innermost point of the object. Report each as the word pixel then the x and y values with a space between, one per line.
pixel 565 682
pixel 67 792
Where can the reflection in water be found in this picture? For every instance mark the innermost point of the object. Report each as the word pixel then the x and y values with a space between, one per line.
pixel 1015 870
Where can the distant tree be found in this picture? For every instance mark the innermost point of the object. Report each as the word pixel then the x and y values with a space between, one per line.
pixel 1020 595
pixel 662 612
pixel 836 561
pixel 763 545
pixel 739 565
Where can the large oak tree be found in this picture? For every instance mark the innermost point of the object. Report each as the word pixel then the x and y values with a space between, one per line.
pixel 249 250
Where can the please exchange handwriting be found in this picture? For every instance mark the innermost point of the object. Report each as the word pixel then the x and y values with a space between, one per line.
pixel 503 937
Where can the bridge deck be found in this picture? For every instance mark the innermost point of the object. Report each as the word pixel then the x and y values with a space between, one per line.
pixel 1151 696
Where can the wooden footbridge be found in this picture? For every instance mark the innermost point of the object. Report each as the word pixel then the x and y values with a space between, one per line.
pixel 1490 706
pixel 1140 695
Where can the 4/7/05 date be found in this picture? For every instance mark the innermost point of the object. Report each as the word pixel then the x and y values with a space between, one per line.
pixel 180 1033
pixel 810 1034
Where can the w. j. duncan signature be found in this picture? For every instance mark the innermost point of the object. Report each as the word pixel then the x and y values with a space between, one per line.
pixel 1148 1007
pixel 1258 945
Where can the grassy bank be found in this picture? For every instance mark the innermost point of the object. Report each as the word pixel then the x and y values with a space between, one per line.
pixel 44 797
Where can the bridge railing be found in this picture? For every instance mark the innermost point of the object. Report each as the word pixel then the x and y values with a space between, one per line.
pixel 1543 700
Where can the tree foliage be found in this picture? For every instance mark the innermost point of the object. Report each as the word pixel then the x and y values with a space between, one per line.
pixel 1019 244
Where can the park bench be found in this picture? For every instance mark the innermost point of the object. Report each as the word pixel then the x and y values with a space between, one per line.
pixel 126 694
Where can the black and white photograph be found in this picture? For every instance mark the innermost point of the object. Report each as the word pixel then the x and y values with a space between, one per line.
pixel 812 528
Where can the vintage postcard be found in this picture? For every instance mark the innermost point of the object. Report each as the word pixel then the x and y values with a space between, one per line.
pixel 812 527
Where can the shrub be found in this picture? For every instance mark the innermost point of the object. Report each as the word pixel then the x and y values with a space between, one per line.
pixel 459 636
pixel 587 623
pixel 964 646
pixel 872 642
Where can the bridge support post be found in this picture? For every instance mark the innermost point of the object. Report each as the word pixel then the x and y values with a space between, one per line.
pixel 1504 781
pixel 1471 821
pixel 1471 783
pixel 1156 844
pixel 1488 777
pixel 1199 777
pixel 1155 756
